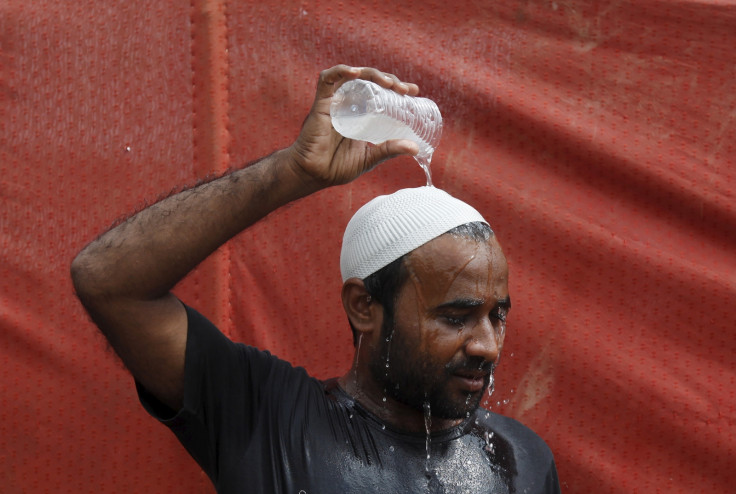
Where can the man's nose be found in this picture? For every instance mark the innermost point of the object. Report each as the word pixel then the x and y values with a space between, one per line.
pixel 483 341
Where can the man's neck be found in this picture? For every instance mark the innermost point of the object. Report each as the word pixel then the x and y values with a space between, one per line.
pixel 387 409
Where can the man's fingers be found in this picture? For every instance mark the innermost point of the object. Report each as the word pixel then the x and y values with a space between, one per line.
pixel 389 81
pixel 397 147
pixel 404 146
pixel 330 79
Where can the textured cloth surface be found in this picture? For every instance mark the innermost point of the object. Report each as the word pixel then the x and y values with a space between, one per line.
pixel 392 225
pixel 597 137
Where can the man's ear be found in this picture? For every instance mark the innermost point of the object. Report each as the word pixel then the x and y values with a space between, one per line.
pixel 365 314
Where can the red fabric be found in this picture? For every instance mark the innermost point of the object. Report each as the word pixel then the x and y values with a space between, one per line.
pixel 597 138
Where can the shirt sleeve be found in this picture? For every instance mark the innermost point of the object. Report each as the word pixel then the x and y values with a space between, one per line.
pixel 223 384
pixel 552 482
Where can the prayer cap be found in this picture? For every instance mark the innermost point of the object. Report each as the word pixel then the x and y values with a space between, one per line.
pixel 389 226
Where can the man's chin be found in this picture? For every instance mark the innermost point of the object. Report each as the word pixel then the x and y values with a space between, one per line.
pixel 456 409
pixel 447 403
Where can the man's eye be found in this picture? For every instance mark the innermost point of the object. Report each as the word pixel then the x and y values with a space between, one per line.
pixel 500 314
pixel 455 320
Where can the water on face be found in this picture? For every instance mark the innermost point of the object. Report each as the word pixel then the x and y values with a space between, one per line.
pixel 388 351
pixel 388 366
pixel 491 388
pixel 357 356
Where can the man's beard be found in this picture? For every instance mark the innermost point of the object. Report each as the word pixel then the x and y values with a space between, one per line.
pixel 414 379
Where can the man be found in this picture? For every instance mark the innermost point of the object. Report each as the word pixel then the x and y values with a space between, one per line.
pixel 427 309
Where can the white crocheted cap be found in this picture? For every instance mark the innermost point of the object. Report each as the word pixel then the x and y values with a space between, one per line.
pixel 392 225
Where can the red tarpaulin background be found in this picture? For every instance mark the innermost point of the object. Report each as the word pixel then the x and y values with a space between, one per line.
pixel 597 138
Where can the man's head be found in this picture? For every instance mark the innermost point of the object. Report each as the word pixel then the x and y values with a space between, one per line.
pixel 429 267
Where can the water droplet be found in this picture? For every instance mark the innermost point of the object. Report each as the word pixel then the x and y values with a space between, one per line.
pixel 388 351
pixel 391 448
pixel 488 435
pixel 384 399
pixel 353 108
pixel 357 354
pixel 428 429
pixel 383 427
pixel 127 149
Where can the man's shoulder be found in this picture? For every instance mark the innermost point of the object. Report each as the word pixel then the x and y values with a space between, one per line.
pixel 525 443
pixel 509 428
pixel 527 455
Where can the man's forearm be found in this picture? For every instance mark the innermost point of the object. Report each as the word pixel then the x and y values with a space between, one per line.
pixel 146 255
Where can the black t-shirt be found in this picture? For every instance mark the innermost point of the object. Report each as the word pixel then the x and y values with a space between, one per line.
pixel 256 424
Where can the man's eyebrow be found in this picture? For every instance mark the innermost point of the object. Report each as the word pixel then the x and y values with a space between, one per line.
pixel 469 303
pixel 461 303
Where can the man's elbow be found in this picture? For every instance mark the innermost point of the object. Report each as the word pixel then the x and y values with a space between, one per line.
pixel 83 279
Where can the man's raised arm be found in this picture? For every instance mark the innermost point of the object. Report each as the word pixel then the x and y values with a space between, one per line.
pixel 124 278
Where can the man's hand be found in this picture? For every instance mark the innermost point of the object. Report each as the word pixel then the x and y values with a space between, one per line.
pixel 322 157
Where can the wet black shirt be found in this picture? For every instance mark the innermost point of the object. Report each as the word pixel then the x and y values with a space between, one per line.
pixel 255 424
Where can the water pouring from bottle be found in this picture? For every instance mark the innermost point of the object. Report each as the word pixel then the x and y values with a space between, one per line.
pixel 365 111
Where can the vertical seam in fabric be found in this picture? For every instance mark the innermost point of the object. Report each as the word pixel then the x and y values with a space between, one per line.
pixel 210 117
pixel 226 129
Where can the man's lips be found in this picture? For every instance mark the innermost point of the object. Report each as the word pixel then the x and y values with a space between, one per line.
pixel 472 381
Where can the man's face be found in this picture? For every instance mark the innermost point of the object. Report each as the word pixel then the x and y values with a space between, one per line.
pixel 448 327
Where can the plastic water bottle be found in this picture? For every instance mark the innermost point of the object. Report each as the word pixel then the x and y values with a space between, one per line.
pixel 365 111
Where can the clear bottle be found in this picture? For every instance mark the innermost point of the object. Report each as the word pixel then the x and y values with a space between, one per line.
pixel 365 111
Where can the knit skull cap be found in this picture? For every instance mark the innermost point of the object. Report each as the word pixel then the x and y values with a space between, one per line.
pixel 389 226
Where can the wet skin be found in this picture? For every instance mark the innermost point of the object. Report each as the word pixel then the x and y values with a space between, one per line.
pixel 446 335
